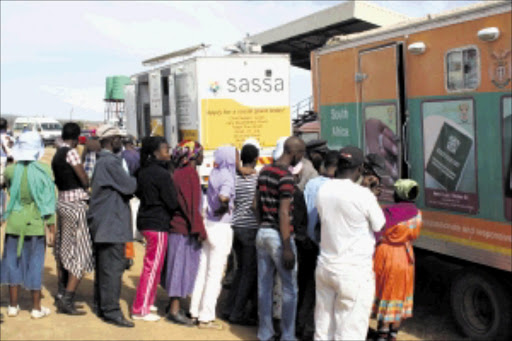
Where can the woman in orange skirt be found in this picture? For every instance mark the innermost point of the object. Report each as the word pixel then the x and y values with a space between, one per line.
pixel 394 261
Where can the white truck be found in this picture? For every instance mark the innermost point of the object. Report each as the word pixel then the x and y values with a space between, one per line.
pixel 214 100
pixel 50 129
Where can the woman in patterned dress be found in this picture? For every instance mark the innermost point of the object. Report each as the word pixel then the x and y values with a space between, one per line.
pixel 394 261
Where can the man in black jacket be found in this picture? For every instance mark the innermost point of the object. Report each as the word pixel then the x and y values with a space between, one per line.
pixel 109 222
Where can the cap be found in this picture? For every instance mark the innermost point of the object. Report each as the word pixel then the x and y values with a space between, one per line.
pixel 317 146
pixel 279 150
pixel 107 130
pixel 377 164
pixel 351 157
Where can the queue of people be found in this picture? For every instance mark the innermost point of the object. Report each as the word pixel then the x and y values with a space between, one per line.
pixel 312 245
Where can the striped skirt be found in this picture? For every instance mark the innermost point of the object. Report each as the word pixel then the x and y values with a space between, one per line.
pixel 73 244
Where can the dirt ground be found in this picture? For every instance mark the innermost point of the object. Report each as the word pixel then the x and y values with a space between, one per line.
pixel 431 321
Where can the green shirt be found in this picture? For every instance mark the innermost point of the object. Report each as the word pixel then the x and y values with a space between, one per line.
pixel 27 221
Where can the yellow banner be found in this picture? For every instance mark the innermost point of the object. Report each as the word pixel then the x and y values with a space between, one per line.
pixel 190 135
pixel 225 121
pixel 157 127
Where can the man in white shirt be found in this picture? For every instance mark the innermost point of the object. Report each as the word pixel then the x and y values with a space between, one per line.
pixel 345 284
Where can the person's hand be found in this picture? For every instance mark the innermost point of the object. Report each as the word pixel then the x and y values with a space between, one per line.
pixel 381 140
pixel 221 211
pixel 288 258
pixel 50 236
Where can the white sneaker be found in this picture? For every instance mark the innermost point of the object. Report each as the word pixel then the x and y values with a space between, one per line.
pixel 37 314
pixel 148 318
pixel 153 309
pixel 13 311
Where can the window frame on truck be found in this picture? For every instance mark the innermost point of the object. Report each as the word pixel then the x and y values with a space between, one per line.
pixel 478 69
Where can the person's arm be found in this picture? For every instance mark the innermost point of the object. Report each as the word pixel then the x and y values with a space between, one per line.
pixel 284 227
pixel 286 188
pixel 73 159
pixel 255 207
pixel 120 180
pixel 224 206
pixel 168 193
pixel 188 187
pixel 375 215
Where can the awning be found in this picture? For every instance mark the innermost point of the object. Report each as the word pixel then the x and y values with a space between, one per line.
pixel 300 37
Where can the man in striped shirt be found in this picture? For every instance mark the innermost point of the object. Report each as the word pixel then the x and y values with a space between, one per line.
pixel 274 241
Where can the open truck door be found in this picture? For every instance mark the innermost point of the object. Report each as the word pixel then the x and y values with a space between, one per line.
pixel 381 95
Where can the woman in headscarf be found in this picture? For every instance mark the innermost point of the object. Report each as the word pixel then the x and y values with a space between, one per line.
pixel 220 197
pixel 394 261
pixel 30 219
pixel 187 230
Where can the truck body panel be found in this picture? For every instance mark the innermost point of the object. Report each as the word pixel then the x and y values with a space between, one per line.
pixel 217 101
pixel 447 112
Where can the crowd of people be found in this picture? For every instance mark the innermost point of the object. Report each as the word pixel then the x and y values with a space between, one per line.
pixel 314 253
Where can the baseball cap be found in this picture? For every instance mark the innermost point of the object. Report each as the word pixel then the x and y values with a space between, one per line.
pixel 350 157
pixel 108 130
pixel 377 164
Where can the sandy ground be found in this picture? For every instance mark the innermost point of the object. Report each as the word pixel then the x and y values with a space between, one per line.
pixel 432 320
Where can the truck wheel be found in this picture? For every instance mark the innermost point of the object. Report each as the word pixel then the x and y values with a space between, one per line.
pixel 481 306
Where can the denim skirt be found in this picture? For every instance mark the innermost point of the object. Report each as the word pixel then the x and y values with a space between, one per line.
pixel 26 270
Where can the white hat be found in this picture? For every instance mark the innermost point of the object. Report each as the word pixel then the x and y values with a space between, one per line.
pixel 108 130
pixel 276 154
pixel 28 147
pixel 252 141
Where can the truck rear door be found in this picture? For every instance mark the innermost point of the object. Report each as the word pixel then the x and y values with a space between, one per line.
pixel 381 101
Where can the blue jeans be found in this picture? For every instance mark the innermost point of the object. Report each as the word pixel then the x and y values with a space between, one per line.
pixel 269 247
pixel 3 202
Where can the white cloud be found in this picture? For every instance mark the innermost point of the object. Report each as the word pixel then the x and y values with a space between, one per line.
pixel 80 98
pixel 61 52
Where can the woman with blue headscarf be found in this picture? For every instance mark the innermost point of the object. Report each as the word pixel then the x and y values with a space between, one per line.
pixel 215 251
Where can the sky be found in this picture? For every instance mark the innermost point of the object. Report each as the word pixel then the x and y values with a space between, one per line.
pixel 55 56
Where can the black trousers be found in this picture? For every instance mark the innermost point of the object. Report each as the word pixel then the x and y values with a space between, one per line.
pixel 307 254
pixel 110 265
pixel 244 286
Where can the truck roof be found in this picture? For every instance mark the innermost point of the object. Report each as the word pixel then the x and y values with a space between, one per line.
pixel 234 55
pixel 411 26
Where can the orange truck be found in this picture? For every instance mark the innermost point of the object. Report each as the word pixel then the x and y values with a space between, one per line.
pixel 433 96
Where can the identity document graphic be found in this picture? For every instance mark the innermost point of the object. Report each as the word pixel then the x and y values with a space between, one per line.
pixel 449 154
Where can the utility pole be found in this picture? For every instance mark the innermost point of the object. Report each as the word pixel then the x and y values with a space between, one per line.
pixel 71 114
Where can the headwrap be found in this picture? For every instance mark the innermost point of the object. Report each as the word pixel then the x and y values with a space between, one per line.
pixel 404 187
pixel 225 160
pixel 223 174
pixel 185 152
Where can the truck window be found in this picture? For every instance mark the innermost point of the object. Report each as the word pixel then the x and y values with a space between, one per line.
pixel 51 126
pixel 21 126
pixel 462 69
